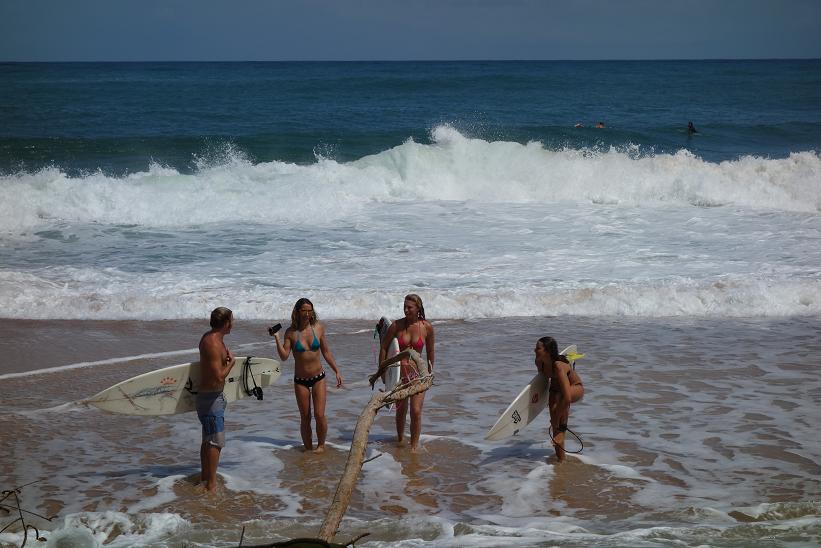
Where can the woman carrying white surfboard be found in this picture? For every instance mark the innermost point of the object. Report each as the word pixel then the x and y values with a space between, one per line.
pixel 306 336
pixel 412 331
pixel 565 387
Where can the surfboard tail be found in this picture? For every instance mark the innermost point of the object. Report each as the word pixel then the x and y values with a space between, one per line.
pixel 528 404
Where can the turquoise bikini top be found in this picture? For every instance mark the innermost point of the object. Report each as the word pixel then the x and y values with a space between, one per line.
pixel 298 347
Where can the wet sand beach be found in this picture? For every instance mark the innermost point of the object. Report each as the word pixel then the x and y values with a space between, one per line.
pixel 709 426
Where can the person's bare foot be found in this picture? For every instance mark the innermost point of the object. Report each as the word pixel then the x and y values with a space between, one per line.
pixel 202 489
pixel 319 449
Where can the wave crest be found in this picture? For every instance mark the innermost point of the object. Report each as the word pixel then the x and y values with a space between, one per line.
pixel 114 296
pixel 228 186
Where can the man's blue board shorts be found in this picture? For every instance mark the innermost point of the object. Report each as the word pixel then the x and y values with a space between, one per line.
pixel 211 412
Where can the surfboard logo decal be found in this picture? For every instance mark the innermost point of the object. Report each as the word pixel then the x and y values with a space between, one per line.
pixel 517 418
pixel 153 391
pixel 173 390
pixel 535 398
pixel 130 399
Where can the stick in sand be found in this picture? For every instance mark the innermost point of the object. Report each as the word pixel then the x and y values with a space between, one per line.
pixel 356 455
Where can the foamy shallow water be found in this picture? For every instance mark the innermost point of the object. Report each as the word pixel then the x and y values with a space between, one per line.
pixel 478 228
pixel 695 432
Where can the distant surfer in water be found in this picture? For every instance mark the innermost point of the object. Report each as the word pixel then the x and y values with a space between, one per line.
pixel 216 362
pixel 565 387
pixel 306 336
pixel 691 128
pixel 412 331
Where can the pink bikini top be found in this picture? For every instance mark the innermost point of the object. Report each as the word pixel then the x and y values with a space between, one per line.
pixel 418 345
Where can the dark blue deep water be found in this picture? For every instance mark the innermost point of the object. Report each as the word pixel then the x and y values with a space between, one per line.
pixel 120 117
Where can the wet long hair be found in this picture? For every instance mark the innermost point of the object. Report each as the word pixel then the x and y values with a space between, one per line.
pixel 552 347
pixel 220 316
pixel 418 300
pixel 295 313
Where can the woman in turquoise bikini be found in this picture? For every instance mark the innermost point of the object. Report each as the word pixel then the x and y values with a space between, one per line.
pixel 306 336
pixel 412 331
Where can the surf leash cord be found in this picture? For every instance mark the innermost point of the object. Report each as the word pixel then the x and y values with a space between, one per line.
pixel 564 428
pixel 256 391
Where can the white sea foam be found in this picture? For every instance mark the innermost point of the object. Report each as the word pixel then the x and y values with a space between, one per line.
pixel 165 494
pixel 479 229
pixel 114 529
pixel 126 296
pixel 75 406
pixel 93 364
pixel 452 167
pixel 381 472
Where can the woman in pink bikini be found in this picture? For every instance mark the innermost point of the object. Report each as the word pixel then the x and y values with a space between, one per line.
pixel 412 331
pixel 306 337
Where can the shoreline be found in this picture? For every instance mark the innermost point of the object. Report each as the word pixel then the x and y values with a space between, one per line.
pixel 679 416
pixel 31 347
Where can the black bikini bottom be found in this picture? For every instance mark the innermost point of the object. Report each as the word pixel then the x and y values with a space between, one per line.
pixel 311 381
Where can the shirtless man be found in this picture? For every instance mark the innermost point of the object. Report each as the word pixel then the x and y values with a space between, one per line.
pixel 216 362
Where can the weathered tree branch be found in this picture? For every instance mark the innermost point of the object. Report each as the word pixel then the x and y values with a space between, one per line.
pixel 306 543
pixel 7 508
pixel 392 360
pixel 356 455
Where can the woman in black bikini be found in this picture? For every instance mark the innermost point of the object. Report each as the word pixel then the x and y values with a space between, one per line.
pixel 306 336
pixel 412 331
pixel 565 387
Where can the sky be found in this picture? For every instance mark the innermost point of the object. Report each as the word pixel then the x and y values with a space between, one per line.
pixel 295 30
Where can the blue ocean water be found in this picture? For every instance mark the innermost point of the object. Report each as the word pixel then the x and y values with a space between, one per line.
pixel 687 267
pixel 255 182
pixel 119 117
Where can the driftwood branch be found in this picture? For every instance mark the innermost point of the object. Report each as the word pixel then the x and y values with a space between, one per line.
pixel 356 455
pixel 405 354
pixel 8 508
pixel 306 543
pixel 373 458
